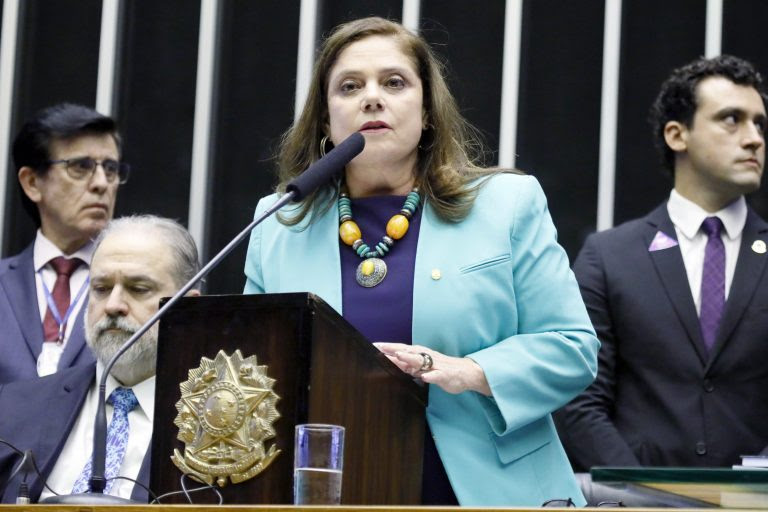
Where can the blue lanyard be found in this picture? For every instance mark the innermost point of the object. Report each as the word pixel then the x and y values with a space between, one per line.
pixel 55 311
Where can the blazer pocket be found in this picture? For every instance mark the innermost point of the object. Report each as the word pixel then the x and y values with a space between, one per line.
pixel 488 262
pixel 523 441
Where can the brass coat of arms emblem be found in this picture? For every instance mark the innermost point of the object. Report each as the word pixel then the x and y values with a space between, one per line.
pixel 225 415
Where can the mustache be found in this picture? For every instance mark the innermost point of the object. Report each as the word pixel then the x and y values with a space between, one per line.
pixel 111 323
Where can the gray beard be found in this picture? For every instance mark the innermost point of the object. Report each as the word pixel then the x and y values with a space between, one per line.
pixel 138 362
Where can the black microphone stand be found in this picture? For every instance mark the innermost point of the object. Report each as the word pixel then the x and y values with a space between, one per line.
pixel 98 480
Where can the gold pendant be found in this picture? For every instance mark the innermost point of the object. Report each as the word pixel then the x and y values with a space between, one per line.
pixel 370 272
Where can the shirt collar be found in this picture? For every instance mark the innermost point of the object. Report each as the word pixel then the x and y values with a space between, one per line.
pixel 144 390
pixel 45 250
pixel 687 216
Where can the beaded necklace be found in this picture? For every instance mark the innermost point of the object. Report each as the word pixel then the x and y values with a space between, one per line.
pixel 372 270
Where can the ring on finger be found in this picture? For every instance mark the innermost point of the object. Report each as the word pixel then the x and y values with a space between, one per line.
pixel 426 362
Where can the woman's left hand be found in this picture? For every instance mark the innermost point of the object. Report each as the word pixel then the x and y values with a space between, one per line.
pixel 452 374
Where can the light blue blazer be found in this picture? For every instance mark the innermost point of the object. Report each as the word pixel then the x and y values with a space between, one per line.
pixel 506 298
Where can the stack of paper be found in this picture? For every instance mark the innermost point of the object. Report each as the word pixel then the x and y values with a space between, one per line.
pixel 753 462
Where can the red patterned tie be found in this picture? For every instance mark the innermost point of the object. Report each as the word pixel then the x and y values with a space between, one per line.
pixel 64 269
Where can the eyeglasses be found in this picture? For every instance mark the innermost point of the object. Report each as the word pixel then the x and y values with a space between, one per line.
pixel 560 503
pixel 568 502
pixel 83 168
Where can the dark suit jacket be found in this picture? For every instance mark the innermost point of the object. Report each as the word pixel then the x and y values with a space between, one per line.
pixel 660 399
pixel 37 415
pixel 21 332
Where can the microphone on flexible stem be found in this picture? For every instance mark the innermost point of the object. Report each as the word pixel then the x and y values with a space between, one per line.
pixel 25 467
pixel 300 187
pixel 320 172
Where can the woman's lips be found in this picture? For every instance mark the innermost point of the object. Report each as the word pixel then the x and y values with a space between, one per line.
pixel 374 126
pixel 751 161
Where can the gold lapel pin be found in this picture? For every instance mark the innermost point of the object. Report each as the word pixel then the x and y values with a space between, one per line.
pixel 759 246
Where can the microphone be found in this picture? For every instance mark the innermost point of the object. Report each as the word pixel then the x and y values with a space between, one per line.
pixel 315 176
pixel 324 169
pixel 25 466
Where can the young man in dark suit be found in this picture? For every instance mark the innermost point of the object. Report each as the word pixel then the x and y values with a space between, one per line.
pixel 679 298
pixel 69 169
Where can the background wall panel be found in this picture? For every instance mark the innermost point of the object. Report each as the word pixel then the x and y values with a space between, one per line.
pixel 657 36
pixel 470 40
pixel 155 104
pixel 559 110
pixel 50 34
pixel 256 83
pixel 331 13
pixel 255 77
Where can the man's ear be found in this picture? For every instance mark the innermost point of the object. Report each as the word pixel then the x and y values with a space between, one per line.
pixel 676 136
pixel 30 183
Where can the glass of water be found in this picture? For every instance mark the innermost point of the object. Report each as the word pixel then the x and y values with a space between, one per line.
pixel 318 460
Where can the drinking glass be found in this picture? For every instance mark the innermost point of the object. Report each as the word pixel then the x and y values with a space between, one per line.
pixel 317 464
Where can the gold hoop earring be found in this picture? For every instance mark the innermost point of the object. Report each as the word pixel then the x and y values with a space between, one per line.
pixel 323 142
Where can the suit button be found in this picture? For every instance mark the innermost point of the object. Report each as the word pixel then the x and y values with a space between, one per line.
pixel 701 448
pixel 708 386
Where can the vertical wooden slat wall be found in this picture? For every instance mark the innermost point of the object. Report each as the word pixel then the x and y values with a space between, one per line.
pixel 558 105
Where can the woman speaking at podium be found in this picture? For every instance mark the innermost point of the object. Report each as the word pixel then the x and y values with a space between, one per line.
pixel 453 269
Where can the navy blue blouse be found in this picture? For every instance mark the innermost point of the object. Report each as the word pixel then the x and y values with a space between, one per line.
pixel 385 312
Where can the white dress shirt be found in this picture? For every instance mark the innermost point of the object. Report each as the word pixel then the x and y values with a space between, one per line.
pixel 687 217
pixel 42 253
pixel 79 446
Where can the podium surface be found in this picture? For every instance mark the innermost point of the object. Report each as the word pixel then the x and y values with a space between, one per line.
pixel 718 487
pixel 324 371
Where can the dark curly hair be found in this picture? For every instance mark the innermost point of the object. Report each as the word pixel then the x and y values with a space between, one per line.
pixel 677 99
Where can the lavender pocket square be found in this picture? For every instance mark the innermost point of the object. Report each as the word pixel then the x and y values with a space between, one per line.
pixel 661 241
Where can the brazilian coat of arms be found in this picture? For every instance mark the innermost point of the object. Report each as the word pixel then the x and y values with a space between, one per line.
pixel 225 417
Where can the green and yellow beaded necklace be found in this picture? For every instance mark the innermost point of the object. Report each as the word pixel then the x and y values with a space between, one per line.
pixel 372 270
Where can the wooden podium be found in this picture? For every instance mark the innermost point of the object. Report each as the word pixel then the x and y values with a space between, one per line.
pixel 325 372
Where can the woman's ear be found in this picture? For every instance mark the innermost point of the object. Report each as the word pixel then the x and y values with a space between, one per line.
pixel 326 128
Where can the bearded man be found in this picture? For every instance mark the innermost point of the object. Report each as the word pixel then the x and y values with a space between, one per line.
pixel 137 261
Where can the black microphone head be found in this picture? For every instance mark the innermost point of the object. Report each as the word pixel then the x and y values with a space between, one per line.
pixel 324 169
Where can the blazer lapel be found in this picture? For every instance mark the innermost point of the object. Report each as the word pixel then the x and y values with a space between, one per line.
pixel 19 282
pixel 140 493
pixel 435 242
pixel 669 264
pixel 318 264
pixel 749 269
pixel 76 343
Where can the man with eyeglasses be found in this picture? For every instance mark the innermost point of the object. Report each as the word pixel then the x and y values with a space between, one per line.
pixel 69 169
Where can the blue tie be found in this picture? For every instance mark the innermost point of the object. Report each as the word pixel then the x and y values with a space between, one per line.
pixel 123 401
